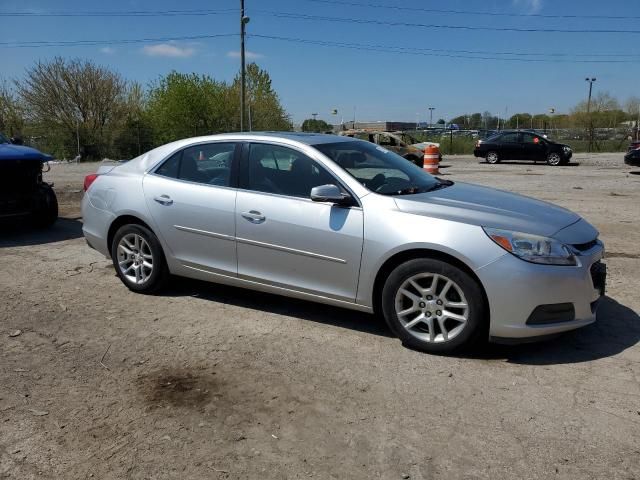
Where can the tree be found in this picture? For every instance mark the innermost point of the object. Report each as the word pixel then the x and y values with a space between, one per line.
pixel 183 105
pixel 441 121
pixel 69 98
pixel 317 126
pixel 264 110
pixel 12 119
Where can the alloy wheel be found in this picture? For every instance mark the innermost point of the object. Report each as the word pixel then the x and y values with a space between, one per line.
pixel 135 259
pixel 492 157
pixel 431 307
pixel 554 159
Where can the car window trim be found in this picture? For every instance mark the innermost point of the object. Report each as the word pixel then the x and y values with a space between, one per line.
pixel 233 171
pixel 243 174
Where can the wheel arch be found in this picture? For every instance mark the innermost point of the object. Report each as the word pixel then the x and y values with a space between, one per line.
pixel 121 221
pixel 415 253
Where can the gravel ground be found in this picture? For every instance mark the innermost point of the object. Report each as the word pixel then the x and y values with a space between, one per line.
pixel 207 381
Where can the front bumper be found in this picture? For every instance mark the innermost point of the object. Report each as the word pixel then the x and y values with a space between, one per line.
pixel 515 289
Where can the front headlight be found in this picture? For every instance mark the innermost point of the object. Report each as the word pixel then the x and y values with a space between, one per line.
pixel 532 248
pixel 566 149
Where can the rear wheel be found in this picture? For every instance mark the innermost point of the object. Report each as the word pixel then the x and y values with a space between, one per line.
pixel 493 157
pixel 434 306
pixel 554 159
pixel 138 259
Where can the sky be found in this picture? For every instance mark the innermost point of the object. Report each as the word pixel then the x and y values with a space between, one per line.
pixel 383 63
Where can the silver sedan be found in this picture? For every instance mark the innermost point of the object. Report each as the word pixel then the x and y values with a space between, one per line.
pixel 345 222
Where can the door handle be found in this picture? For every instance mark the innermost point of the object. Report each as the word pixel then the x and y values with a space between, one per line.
pixel 163 200
pixel 254 216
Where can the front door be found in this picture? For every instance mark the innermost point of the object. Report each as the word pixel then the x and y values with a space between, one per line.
pixel 284 238
pixel 533 147
pixel 510 148
pixel 192 203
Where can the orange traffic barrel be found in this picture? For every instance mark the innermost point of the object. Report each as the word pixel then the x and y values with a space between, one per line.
pixel 431 159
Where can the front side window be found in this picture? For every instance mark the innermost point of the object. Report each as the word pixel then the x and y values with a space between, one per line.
pixel 379 169
pixel 387 140
pixel 208 163
pixel 530 138
pixel 284 171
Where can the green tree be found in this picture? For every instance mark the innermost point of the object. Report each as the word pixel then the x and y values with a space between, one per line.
pixel 264 110
pixel 318 126
pixel 183 105
pixel 12 115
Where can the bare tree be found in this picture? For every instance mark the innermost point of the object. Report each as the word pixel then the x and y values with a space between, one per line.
pixel 11 112
pixel 76 98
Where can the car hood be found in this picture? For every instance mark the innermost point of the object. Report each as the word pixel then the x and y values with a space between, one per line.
pixel 487 207
pixel 19 152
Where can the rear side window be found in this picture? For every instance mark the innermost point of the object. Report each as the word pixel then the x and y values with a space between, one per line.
pixel 509 138
pixel 209 164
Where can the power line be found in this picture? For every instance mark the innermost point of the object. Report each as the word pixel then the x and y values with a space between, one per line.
pixel 124 13
pixel 470 12
pixel 73 43
pixel 426 52
pixel 300 16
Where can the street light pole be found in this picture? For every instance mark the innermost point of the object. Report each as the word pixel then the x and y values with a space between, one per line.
pixel 431 109
pixel 243 22
pixel 590 80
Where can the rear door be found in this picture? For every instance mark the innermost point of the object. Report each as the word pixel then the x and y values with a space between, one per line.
pixel 510 146
pixel 287 240
pixel 191 197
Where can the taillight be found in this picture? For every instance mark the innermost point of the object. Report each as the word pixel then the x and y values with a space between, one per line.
pixel 478 143
pixel 89 179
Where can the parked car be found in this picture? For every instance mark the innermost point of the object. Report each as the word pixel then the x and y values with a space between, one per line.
pixel 401 143
pixel 522 145
pixel 345 222
pixel 633 155
pixel 23 193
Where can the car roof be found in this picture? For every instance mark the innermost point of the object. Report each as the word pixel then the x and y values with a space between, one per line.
pixel 149 159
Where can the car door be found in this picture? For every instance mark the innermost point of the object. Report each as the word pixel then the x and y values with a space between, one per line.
pixel 533 147
pixel 510 148
pixel 191 197
pixel 390 143
pixel 284 238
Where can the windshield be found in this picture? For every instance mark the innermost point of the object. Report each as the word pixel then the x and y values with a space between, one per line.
pixel 3 139
pixel 378 169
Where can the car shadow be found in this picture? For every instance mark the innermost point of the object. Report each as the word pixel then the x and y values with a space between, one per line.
pixel 616 330
pixel 280 305
pixel 528 162
pixel 23 234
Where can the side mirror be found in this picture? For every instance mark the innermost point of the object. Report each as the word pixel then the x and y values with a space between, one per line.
pixel 330 193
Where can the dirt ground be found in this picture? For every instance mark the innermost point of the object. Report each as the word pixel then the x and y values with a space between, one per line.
pixel 206 381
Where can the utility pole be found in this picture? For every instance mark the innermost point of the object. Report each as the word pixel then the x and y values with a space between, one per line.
pixel 590 80
pixel 431 109
pixel 243 22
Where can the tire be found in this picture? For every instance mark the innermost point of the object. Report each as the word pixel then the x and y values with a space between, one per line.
pixel 554 159
pixel 430 327
pixel 46 212
pixel 493 157
pixel 137 247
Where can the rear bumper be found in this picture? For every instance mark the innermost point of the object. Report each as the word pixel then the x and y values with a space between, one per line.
pixel 479 154
pixel 95 226
pixel 517 289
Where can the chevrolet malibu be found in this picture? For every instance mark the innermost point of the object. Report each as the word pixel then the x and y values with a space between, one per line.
pixel 342 221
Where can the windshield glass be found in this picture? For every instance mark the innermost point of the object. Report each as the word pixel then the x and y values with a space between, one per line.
pixel 4 139
pixel 378 169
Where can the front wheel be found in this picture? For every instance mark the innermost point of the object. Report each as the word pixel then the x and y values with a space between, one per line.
pixel 493 158
pixel 46 212
pixel 554 159
pixel 434 306
pixel 138 259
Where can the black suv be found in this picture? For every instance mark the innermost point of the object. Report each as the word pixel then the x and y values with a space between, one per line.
pixel 522 145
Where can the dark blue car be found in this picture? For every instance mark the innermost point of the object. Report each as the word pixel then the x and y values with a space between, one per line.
pixel 23 193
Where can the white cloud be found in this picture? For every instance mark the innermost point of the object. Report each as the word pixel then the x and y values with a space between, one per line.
pixel 531 6
pixel 168 50
pixel 108 50
pixel 249 55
